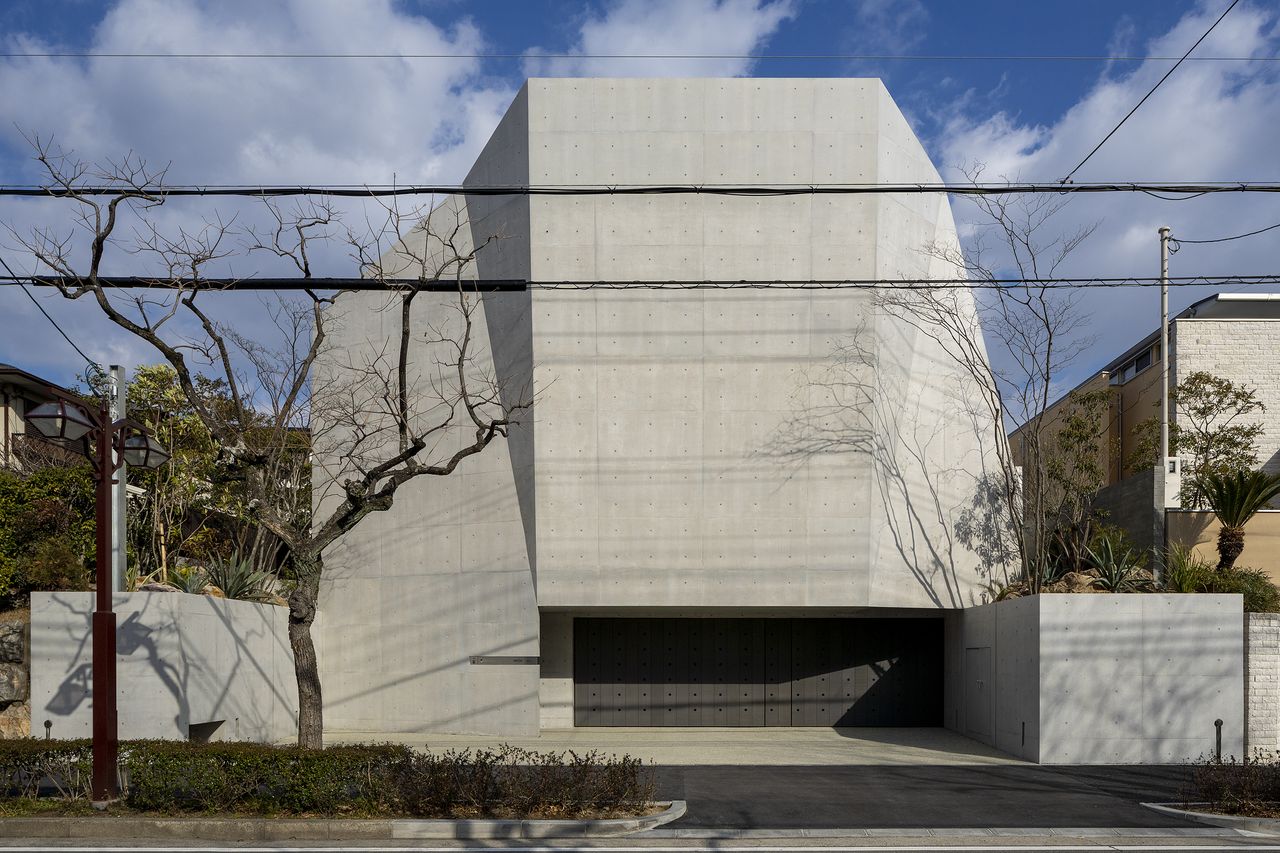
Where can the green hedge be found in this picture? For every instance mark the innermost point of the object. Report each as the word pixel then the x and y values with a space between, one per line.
pixel 242 778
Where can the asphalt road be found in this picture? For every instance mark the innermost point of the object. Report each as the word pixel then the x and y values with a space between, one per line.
pixel 922 796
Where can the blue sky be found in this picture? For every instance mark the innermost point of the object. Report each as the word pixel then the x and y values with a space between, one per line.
pixel 369 120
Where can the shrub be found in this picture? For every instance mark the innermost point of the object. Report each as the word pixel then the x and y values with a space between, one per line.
pixel 52 566
pixel 29 767
pixel 176 776
pixel 1260 594
pixel 510 781
pixel 181 777
pixel 1248 787
pixel 1185 571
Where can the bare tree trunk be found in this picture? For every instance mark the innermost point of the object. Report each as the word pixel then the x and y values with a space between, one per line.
pixel 302 613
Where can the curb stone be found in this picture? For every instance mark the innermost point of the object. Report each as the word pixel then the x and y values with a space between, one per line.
pixel 949 832
pixel 1265 825
pixel 302 829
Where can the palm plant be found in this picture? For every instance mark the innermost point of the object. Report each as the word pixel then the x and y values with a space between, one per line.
pixel 238 578
pixel 1235 498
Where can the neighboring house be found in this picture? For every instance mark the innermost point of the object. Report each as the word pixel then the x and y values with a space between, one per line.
pixel 1232 335
pixel 715 513
pixel 21 446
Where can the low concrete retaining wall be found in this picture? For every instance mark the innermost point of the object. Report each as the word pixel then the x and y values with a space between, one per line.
pixel 189 665
pixel 1100 679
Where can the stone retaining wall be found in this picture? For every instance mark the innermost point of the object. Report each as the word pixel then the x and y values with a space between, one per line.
pixel 15 677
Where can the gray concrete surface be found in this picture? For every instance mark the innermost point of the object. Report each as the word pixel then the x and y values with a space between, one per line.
pixel 182 660
pixel 1100 679
pixel 671 747
pixel 686 448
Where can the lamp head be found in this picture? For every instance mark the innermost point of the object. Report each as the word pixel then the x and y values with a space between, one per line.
pixel 140 450
pixel 60 419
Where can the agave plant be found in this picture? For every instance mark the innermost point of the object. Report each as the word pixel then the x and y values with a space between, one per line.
pixel 1235 498
pixel 1118 571
pixel 188 578
pixel 237 578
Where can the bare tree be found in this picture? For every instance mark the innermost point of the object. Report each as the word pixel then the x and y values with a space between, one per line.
pixel 1034 327
pixel 384 417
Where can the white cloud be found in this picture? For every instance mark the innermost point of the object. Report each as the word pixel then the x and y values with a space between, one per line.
pixel 238 121
pixel 341 121
pixel 629 27
pixel 883 27
pixel 1212 121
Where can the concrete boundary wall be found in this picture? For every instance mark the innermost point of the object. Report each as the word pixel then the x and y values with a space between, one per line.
pixel 1099 679
pixel 183 660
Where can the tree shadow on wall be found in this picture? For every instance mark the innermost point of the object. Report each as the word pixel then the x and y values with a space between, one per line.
pixel 935 507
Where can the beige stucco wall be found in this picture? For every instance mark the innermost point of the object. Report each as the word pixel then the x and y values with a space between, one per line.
pixel 1199 531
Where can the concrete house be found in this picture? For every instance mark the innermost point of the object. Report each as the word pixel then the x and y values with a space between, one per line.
pixel 727 507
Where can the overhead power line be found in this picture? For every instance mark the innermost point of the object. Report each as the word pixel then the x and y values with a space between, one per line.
pixel 1152 92
pixel 296 283
pixel 21 281
pixel 748 190
pixel 764 57
pixel 1232 237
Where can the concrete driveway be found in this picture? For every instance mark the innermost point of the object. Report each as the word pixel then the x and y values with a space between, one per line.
pixel 709 747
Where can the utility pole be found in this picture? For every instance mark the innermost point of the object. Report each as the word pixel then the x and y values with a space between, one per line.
pixel 1164 347
pixel 119 495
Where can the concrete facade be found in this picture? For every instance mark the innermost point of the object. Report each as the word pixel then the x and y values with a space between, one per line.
pixel 700 449
pixel 1100 679
pixel 184 662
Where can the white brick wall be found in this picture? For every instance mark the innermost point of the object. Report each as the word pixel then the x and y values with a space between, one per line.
pixel 1262 681
pixel 1244 351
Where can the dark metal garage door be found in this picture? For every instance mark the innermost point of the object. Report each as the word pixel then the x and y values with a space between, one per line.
pixel 757 672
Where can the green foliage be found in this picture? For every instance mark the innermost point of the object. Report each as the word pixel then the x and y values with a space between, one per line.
pixel 238 578
pixel 53 567
pixel 1236 497
pixel 1119 568
pixel 1073 473
pixel 175 777
pixel 1184 571
pixel 188 577
pixel 166 776
pixel 1208 433
pixel 48 505
pixel 1260 594
pixel 63 768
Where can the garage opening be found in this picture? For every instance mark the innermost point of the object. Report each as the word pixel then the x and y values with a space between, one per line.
pixel 757 672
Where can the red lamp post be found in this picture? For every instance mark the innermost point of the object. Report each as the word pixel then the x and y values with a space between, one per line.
pixel 108 444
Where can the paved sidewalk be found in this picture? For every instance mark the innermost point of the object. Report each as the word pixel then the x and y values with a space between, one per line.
pixel 671 747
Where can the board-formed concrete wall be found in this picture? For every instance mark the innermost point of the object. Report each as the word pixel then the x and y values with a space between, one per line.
pixel 182 661
pixel 692 448
pixel 1100 679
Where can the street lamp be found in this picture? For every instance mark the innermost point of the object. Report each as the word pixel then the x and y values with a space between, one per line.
pixel 108 444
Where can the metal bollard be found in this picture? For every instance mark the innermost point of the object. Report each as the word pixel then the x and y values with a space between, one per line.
pixel 48 729
pixel 1217 750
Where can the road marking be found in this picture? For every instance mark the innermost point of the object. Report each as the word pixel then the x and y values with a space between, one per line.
pixel 585 845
